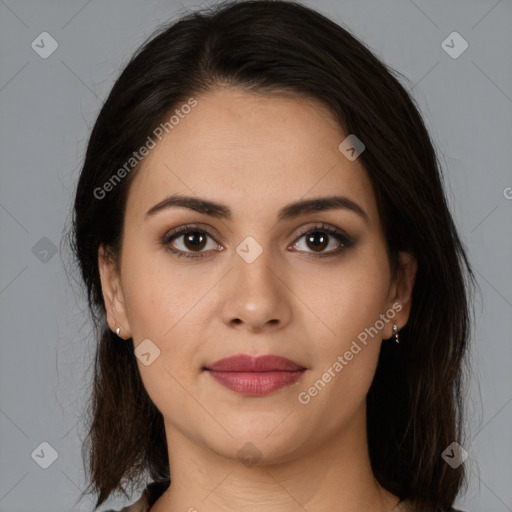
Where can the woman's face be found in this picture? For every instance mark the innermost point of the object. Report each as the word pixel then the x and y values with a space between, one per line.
pixel 250 282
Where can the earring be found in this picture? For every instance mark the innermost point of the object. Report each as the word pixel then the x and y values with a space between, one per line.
pixel 395 332
pixel 118 330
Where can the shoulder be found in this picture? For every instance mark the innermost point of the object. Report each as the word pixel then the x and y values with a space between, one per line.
pixel 141 505
pixel 149 496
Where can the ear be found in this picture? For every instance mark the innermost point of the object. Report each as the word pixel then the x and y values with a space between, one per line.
pixel 400 297
pixel 113 294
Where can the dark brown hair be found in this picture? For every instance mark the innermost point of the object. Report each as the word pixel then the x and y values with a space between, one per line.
pixel 415 403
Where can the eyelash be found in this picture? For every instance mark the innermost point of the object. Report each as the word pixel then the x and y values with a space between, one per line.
pixel 339 235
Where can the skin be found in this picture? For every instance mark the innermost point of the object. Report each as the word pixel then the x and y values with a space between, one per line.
pixel 256 154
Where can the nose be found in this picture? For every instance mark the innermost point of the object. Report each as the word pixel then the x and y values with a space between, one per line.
pixel 255 295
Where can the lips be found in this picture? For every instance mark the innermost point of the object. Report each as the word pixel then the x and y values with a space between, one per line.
pixel 247 363
pixel 255 376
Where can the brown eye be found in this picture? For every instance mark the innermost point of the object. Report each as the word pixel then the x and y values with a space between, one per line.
pixel 318 238
pixel 193 240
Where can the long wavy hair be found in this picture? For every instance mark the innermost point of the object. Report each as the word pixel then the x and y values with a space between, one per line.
pixel 415 403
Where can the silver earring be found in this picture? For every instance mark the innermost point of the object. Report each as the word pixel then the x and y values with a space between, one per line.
pixel 118 330
pixel 395 332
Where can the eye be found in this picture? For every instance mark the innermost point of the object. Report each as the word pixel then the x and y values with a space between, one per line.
pixel 318 237
pixel 194 240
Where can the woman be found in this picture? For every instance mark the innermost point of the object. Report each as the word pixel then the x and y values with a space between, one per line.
pixel 280 292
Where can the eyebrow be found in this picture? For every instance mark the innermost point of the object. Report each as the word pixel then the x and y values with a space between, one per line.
pixel 289 211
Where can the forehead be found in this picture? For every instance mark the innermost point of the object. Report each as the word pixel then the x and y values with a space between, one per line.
pixel 252 151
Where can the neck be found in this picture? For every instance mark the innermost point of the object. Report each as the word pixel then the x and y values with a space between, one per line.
pixel 335 476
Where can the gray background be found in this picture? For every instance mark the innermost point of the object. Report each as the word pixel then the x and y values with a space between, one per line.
pixel 47 109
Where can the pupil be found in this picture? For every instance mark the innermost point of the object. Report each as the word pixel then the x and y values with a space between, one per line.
pixel 191 239
pixel 322 244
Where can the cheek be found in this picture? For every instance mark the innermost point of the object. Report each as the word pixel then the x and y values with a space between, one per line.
pixel 157 294
pixel 160 307
pixel 163 305
pixel 351 297
pixel 349 306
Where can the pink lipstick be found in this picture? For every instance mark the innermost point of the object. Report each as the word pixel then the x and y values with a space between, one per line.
pixel 255 376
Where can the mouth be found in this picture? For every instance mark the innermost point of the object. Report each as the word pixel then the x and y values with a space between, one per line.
pixel 255 376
